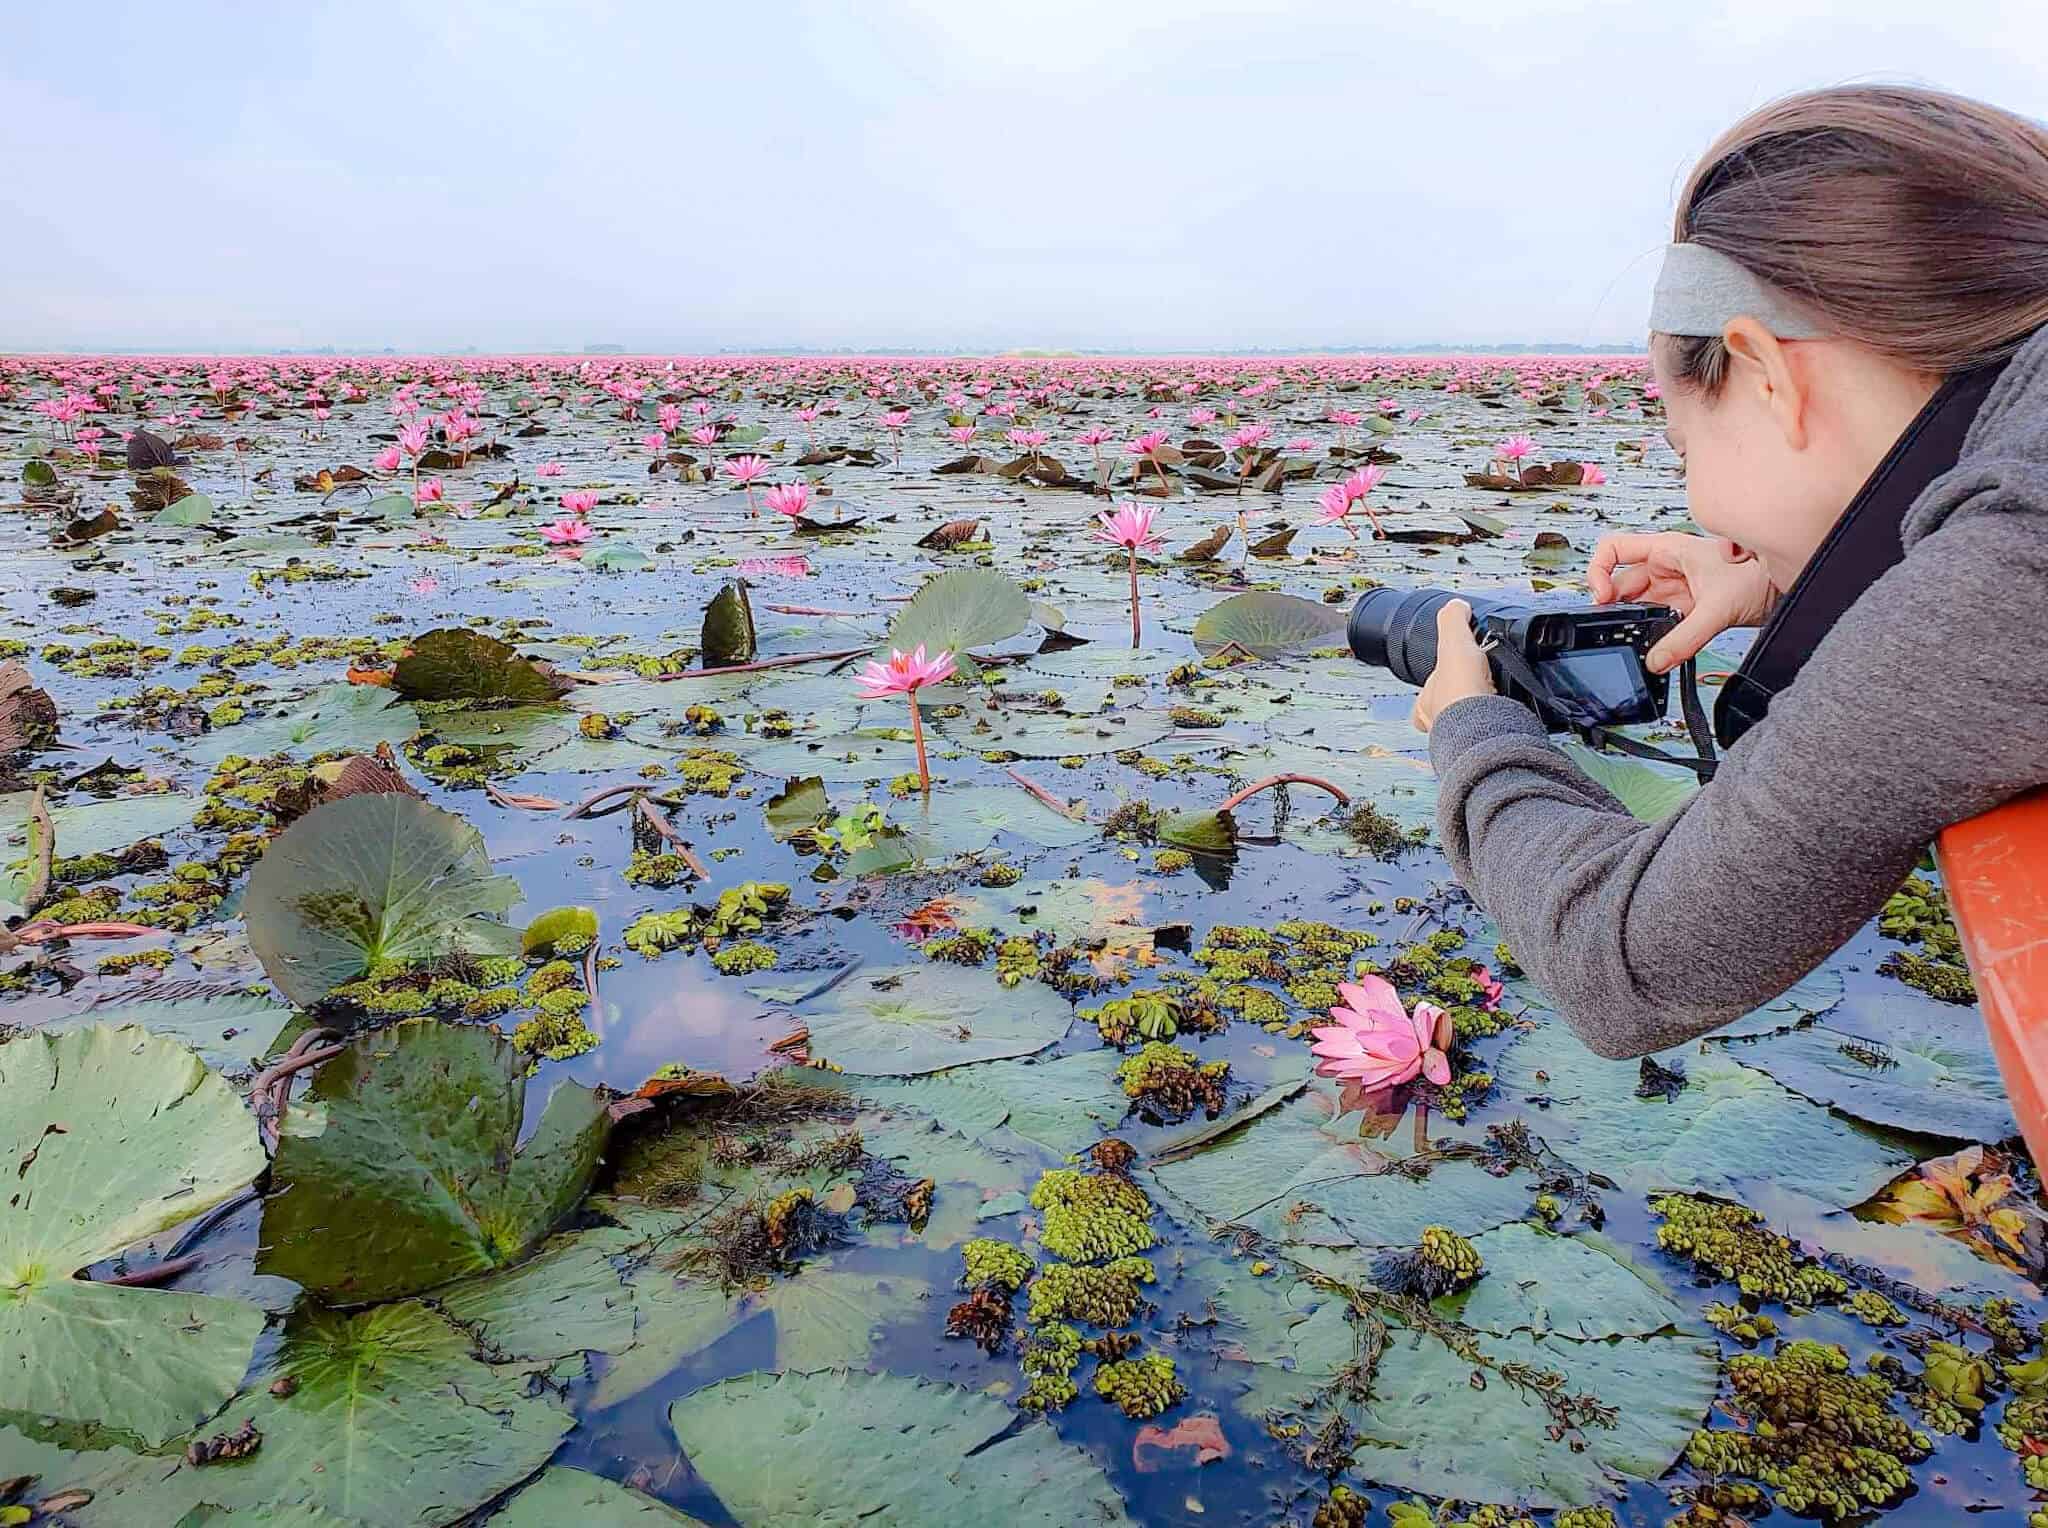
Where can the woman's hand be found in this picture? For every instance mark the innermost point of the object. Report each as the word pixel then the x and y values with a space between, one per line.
pixel 1714 584
pixel 1461 668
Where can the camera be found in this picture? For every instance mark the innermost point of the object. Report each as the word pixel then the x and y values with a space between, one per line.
pixel 1574 666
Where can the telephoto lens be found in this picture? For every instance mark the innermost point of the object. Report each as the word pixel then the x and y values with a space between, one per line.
pixel 1395 629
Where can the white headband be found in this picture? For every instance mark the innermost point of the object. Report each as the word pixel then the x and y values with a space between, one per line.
pixel 1700 289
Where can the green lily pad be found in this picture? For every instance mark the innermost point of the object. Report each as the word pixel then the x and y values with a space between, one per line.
pixel 728 635
pixel 109 1136
pixel 884 1448
pixel 569 1297
pixel 1201 832
pixel 1907 1062
pixel 1537 1281
pixel 959 611
pixel 967 819
pixel 93 827
pixel 564 1495
pixel 926 1018
pixel 1057 737
pixel 372 879
pixel 193 509
pixel 342 718
pixel 796 807
pixel 456 663
pixel 1308 1151
pixel 1651 792
pixel 1727 1128
pixel 556 925
pixel 392 1420
pixel 397 1171
pixel 617 557
pixel 231 1029
pixel 1053 1105
pixel 1268 625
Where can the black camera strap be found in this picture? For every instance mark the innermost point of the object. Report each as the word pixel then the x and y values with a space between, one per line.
pixel 1574 711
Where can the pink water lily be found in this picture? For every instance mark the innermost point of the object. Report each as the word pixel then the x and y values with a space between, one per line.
pixel 1029 440
pixel 961 433
pixel 1592 476
pixel 775 567
pixel 790 499
pixel 579 502
pixel 1130 527
pixel 429 492
pixel 1339 499
pixel 566 532
pixel 1514 448
pixel 1375 1044
pixel 655 441
pixel 743 470
pixel 906 674
pixel 386 460
pixel 549 470
pixel 893 422
pixel 1146 447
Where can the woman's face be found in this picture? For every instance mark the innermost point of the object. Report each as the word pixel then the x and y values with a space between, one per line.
pixel 1774 457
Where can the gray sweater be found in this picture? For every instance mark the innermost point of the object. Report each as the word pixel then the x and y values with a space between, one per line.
pixel 1926 704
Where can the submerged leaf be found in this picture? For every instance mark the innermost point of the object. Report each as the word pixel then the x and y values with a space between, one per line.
pixel 397 1171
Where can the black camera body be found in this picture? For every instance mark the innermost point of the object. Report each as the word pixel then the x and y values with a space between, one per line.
pixel 1586 661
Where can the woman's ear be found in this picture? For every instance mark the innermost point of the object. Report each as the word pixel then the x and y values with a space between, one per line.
pixel 1760 365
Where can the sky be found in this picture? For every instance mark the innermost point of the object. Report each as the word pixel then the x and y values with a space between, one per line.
pixel 1124 175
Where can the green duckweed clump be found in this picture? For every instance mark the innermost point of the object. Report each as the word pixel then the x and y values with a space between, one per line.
pixel 1139 1387
pixel 743 958
pixel 1826 1441
pixel 660 870
pixel 1171 861
pixel 1747 1327
pixel 708 772
pixel 1918 914
pixel 551 977
pixel 1017 961
pixel 1049 1357
pixel 745 909
pixel 999 875
pixel 1092 1217
pixel 1342 1508
pixel 989 1261
pixel 1170 1082
pixel 1731 1240
pixel 653 934
pixel 1106 1296
pixel 1142 1016
pixel 1441 1263
pixel 1873 1309
pixel 1377 832
pixel 553 1035
pixel 968 947
pixel 139 960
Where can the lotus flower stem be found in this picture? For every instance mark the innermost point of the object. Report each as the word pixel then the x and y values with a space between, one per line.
pixel 163 1272
pixel 924 770
pixel 1134 598
pixel 1272 780
pixel 1064 808
pixel 768 663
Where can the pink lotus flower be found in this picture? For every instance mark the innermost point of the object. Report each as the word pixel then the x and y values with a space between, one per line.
pixel 1514 448
pixel 1146 446
pixel 1490 988
pixel 893 422
pixel 962 433
pixel 790 499
pixel 1375 1044
pixel 1248 437
pixel 412 440
pixel 1592 476
pixel 548 469
pixel 1095 435
pixel 1130 527
pixel 1199 417
pixel 905 676
pixel 386 460
pixel 566 532
pixel 580 502
pixel 1029 440
pixel 655 441
pixel 429 492
pixel 743 470
pixel 705 435
pixel 426 583
pixel 1300 443
pixel 669 417
pixel 1363 480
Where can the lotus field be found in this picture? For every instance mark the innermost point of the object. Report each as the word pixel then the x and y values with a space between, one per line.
pixel 787 940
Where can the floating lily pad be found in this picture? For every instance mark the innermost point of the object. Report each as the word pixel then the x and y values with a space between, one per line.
pixel 372 879
pixel 1727 1128
pixel 1268 625
pixel 1053 1104
pixel 966 819
pixel 456 663
pixel 109 1136
pixel 564 1496
pixel 229 1028
pixel 93 827
pixel 959 611
pixel 884 1448
pixel 926 1018
pixel 397 1171
pixel 342 718
pixel 1650 791
pixel 1538 1281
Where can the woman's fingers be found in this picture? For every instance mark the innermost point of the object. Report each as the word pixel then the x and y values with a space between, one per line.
pixel 1625 549
pixel 1685 639
pixel 1627 584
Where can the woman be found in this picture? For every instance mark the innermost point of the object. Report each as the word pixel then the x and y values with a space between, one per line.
pixel 1837 255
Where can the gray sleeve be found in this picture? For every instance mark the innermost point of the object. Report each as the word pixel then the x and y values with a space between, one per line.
pixel 1926 704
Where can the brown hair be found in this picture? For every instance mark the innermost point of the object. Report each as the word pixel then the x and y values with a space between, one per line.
pixel 1909 220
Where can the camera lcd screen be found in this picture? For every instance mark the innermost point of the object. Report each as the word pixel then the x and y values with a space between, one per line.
pixel 1608 681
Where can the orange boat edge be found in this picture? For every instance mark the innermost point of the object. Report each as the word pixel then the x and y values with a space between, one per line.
pixel 1995 868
